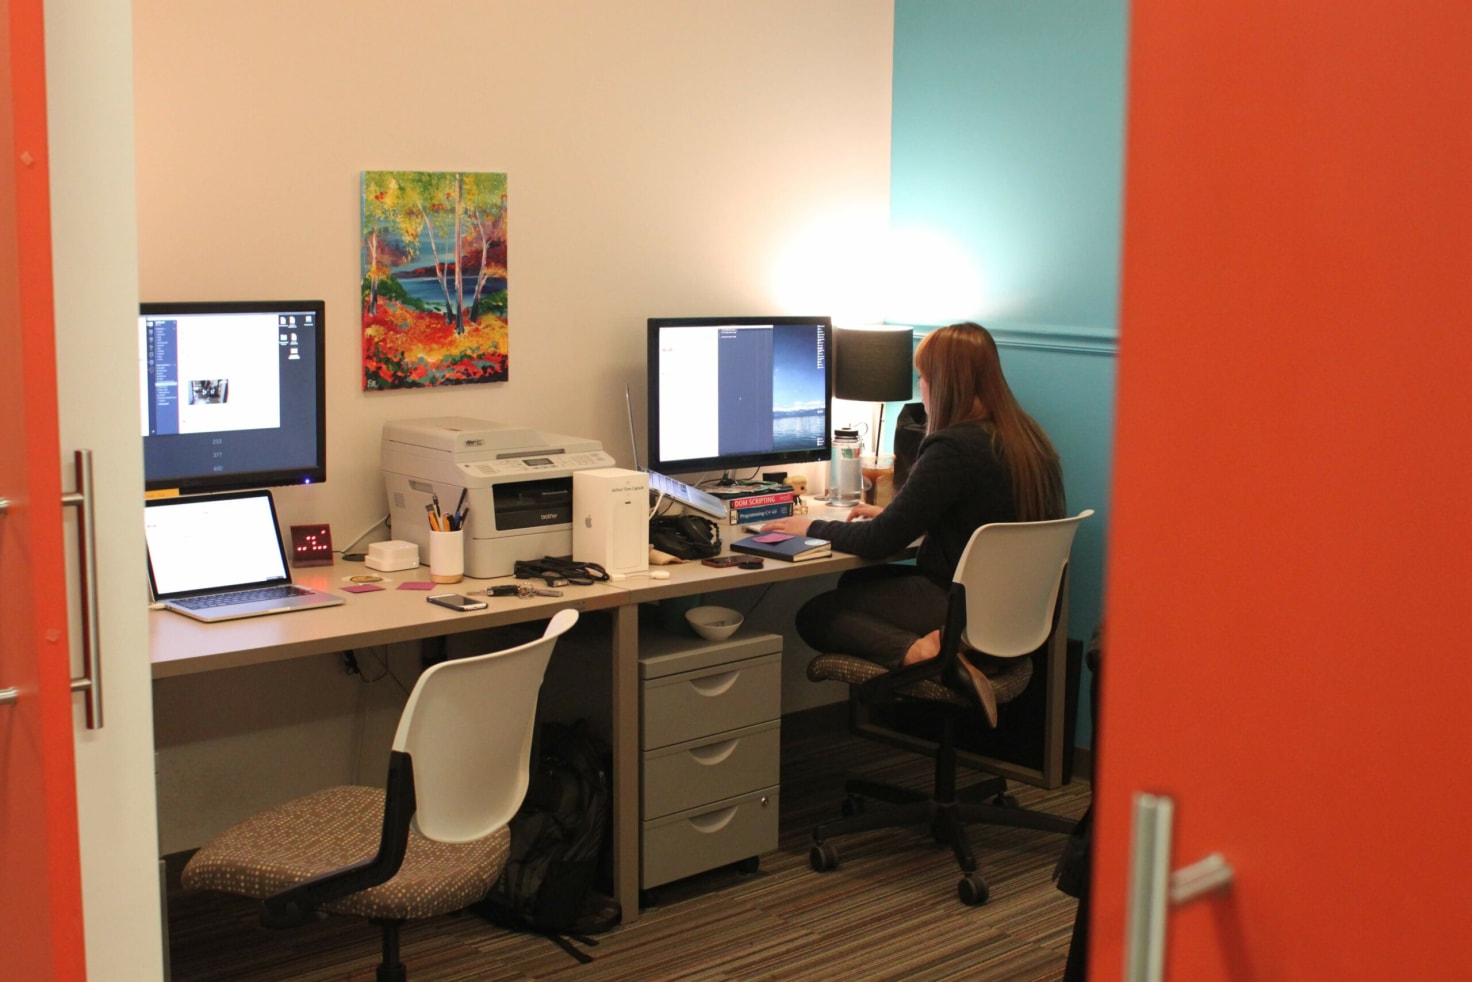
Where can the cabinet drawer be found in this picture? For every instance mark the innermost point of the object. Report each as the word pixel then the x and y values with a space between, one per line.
pixel 692 705
pixel 693 841
pixel 712 768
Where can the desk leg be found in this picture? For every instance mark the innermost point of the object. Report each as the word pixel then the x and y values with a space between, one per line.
pixel 626 760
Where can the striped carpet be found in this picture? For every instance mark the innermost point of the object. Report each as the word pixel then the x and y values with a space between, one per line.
pixel 888 912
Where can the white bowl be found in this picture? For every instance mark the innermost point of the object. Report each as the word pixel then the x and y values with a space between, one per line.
pixel 714 623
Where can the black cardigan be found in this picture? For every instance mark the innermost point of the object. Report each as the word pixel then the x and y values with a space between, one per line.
pixel 959 483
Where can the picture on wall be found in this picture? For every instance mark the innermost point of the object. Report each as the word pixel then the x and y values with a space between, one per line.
pixel 434 279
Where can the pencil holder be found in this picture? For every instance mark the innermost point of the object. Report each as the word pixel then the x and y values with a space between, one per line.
pixel 447 556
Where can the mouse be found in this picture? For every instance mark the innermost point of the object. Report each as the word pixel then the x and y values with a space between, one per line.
pixel 659 574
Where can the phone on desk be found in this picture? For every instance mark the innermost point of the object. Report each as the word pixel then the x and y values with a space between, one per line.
pixel 721 562
pixel 455 601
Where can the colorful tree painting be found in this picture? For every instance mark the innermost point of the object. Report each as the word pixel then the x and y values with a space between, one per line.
pixel 434 279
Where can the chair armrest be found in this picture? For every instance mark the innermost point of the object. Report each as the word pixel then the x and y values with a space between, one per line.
pixel 293 906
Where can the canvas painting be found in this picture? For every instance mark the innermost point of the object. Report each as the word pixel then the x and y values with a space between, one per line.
pixel 434 279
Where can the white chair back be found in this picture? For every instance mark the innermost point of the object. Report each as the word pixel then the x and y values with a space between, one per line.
pixel 468 727
pixel 1012 572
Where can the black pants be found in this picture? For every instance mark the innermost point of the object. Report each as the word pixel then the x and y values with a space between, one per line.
pixel 876 612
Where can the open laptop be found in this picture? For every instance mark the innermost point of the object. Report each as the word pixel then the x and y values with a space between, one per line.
pixel 217 557
pixel 686 494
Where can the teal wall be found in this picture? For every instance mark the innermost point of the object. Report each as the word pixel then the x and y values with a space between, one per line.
pixel 1008 143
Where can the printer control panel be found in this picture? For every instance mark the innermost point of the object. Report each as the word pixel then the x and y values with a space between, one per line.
pixel 537 464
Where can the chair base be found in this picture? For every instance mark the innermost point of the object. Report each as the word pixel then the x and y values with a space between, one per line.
pixel 391 969
pixel 986 803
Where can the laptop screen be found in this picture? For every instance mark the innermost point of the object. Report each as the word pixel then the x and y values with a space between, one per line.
pixel 213 542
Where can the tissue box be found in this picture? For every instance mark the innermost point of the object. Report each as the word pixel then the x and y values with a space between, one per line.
pixel 395 554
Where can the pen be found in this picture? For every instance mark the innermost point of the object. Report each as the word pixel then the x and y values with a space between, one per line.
pixel 434 525
pixel 435 500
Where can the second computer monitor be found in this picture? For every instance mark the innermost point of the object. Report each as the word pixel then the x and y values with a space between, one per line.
pixel 233 394
pixel 734 393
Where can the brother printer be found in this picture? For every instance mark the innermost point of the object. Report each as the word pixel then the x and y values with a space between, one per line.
pixel 517 484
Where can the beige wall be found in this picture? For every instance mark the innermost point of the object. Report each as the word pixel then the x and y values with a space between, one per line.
pixel 665 157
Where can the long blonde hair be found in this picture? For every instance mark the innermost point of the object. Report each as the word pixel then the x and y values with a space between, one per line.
pixel 963 371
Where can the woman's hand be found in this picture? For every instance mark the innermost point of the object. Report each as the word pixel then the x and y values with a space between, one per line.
pixel 863 510
pixel 792 526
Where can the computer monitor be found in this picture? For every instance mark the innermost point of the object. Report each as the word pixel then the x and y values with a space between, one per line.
pixel 233 394
pixel 730 393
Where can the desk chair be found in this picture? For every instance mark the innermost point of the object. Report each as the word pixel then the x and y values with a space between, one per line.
pixel 1003 604
pixel 433 841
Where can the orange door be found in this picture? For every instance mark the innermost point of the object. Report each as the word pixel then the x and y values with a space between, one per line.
pixel 40 888
pixel 1287 655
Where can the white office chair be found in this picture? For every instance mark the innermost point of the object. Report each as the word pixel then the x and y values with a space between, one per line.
pixel 1003 604
pixel 434 840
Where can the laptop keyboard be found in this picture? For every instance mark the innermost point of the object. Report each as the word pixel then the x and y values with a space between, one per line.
pixel 242 597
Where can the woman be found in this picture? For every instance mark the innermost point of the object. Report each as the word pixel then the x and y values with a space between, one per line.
pixel 983 460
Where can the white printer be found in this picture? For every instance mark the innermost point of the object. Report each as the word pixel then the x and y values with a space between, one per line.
pixel 516 482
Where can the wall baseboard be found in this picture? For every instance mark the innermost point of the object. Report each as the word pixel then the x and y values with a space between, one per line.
pixel 834 716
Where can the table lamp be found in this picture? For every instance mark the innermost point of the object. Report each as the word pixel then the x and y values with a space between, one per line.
pixel 874 364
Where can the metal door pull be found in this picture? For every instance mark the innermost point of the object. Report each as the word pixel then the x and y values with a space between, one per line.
pixel 1200 878
pixel 1154 887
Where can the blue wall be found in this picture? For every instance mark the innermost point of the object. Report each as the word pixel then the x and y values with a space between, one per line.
pixel 1008 142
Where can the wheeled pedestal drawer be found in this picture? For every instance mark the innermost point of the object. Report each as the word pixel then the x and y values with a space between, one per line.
pixel 699 839
pixel 711 720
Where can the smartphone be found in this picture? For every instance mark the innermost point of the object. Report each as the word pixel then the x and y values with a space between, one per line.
pixel 456 602
pixel 721 562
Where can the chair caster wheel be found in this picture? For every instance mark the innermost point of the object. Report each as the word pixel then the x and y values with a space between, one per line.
pixel 972 890
pixel 823 857
pixel 1006 800
pixel 852 805
pixel 749 865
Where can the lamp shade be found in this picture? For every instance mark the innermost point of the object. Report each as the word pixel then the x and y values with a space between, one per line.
pixel 873 364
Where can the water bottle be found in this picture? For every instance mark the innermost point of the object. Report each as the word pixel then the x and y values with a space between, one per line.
pixel 846 483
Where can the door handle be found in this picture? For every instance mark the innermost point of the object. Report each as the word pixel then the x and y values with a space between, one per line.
pixel 1153 887
pixel 7 696
pixel 89 683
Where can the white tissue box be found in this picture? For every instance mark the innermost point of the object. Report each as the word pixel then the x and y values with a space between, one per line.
pixel 395 554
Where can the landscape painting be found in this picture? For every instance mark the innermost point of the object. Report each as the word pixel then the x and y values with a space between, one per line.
pixel 434 279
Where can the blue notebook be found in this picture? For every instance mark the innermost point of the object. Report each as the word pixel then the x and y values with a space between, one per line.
pixel 781 545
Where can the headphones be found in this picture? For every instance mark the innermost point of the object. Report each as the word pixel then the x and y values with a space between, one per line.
pixel 685 536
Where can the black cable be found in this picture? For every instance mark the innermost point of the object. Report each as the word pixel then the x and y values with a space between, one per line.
pixel 558 572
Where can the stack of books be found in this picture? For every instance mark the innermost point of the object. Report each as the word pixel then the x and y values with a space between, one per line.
pixel 763 507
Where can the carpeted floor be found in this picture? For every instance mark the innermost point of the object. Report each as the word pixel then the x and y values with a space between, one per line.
pixel 888 912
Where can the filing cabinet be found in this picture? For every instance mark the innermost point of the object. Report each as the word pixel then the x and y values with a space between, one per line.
pixel 710 752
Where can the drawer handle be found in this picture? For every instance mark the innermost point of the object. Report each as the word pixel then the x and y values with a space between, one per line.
pixel 715 753
pixel 715 685
pixel 715 821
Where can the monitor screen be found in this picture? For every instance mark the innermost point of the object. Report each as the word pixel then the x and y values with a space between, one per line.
pixel 232 394
pixel 738 392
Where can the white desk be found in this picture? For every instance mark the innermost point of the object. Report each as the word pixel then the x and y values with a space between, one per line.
pixel 181 646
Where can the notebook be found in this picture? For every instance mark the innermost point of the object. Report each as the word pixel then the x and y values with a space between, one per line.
pixel 780 545
pixel 216 557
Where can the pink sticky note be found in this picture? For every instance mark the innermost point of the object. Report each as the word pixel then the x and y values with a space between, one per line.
pixel 771 537
pixel 418 585
pixel 362 588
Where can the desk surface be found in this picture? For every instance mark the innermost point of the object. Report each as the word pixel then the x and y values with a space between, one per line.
pixel 180 645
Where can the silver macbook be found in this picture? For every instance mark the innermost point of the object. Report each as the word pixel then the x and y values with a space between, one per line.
pixel 217 557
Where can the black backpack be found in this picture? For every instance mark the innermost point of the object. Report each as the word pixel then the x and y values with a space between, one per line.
pixel 559 840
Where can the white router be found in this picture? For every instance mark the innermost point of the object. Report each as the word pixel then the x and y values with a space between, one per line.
pixel 610 520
